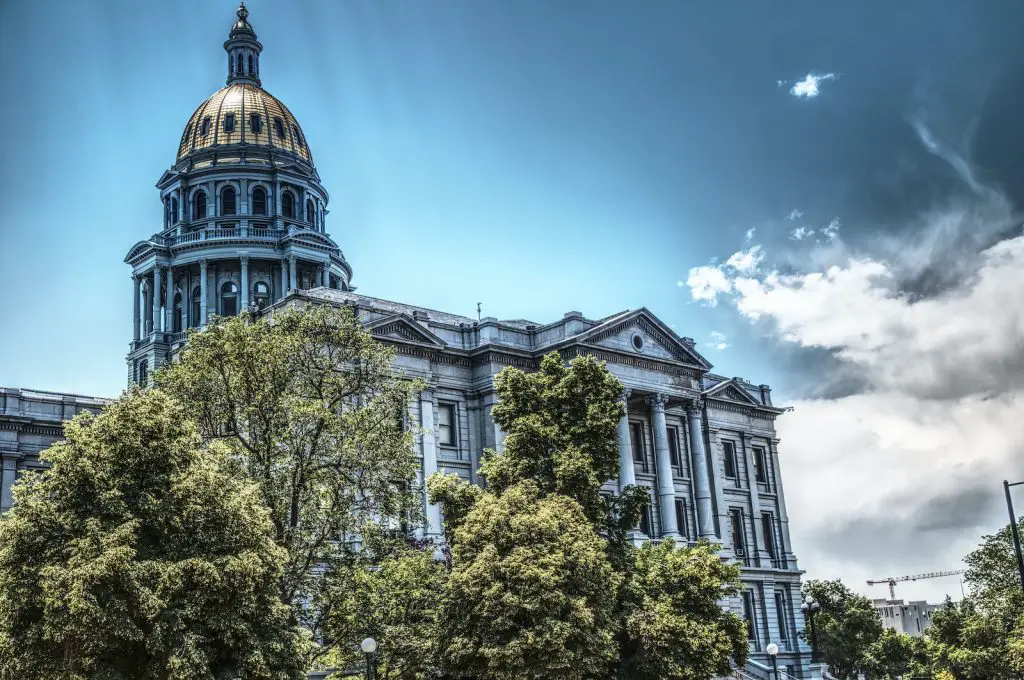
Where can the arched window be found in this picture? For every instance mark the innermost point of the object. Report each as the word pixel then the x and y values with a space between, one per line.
pixel 298 135
pixel 259 201
pixel 197 306
pixel 229 299
pixel 227 201
pixel 143 373
pixel 261 294
pixel 200 211
pixel 251 70
pixel 310 213
pixel 176 315
pixel 174 211
pixel 279 127
pixel 288 204
pixel 239 71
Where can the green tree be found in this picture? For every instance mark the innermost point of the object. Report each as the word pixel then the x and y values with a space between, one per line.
pixel 895 655
pixel 846 626
pixel 993 578
pixel 136 555
pixel 968 644
pixel 308 407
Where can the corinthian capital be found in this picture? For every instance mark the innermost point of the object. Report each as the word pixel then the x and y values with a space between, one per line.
pixel 658 401
pixel 694 406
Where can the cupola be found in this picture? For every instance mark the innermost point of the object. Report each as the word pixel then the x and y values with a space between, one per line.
pixel 243 50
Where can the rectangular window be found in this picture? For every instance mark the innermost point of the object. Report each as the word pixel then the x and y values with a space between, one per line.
pixel 729 452
pixel 446 424
pixel 749 615
pixel 760 463
pixel 780 615
pixel 673 449
pixel 229 122
pixel 636 440
pixel 255 123
pixel 646 520
pixel 736 521
pixel 681 517
pixel 768 526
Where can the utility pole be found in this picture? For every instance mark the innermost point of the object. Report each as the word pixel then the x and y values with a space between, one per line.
pixel 1013 530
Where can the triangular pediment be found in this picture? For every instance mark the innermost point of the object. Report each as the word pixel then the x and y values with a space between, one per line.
pixel 403 328
pixel 640 332
pixel 728 390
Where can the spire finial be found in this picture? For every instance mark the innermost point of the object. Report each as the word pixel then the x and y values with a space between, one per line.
pixel 242 12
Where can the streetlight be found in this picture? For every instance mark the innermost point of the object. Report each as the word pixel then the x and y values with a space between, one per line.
pixel 773 651
pixel 810 607
pixel 1013 529
pixel 369 646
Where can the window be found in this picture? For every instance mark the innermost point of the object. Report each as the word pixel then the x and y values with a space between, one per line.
pixel 636 440
pixel 259 201
pixel 238 69
pixel 760 465
pixel 298 136
pixel 646 520
pixel 446 424
pixel 729 452
pixel 255 123
pixel 200 211
pixel 681 517
pixel 279 127
pixel 309 210
pixel 780 615
pixel 174 211
pixel 768 526
pixel 229 299
pixel 229 122
pixel 142 373
pixel 251 71
pixel 673 449
pixel 749 615
pixel 287 204
pixel 196 306
pixel 261 294
pixel 739 545
pixel 176 314
pixel 227 201
pixel 204 128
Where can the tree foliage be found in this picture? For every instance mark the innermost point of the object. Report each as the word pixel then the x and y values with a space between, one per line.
pixel 136 555
pixel 846 626
pixel 307 406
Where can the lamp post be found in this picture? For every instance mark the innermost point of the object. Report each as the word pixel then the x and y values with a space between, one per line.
pixel 773 651
pixel 369 646
pixel 810 607
pixel 1013 529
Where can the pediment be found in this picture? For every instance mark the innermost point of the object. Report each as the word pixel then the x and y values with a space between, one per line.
pixel 403 328
pixel 728 390
pixel 643 334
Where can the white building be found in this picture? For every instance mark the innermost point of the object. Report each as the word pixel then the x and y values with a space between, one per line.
pixel 912 618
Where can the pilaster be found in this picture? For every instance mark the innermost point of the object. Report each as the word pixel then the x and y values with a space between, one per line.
pixel 786 546
pixel 760 546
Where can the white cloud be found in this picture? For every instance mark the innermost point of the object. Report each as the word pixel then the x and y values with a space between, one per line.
pixel 794 214
pixel 746 261
pixel 800 233
pixel 808 87
pixel 831 230
pixel 707 283
pixel 749 235
pixel 718 341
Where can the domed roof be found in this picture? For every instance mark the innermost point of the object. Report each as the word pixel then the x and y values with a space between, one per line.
pixel 243 113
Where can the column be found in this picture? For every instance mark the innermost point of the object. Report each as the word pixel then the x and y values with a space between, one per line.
pixel 699 466
pixel 666 487
pixel 203 316
pixel 245 285
pixel 169 302
pixel 429 450
pixel 284 278
pixel 156 299
pixel 785 546
pixel 278 220
pixel 137 311
pixel 626 476
pixel 325 275
pixel 10 475
pixel 292 276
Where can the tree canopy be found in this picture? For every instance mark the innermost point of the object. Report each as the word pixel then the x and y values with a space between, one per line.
pixel 846 626
pixel 137 555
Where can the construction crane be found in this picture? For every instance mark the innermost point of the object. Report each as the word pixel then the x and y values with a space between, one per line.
pixel 893 580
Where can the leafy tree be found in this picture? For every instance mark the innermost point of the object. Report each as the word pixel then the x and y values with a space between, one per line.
pixel 895 655
pixel 846 626
pixel 993 578
pixel 968 644
pixel 136 555
pixel 306 403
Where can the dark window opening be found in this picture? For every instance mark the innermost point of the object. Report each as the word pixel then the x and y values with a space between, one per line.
pixel 309 210
pixel 780 615
pixel 227 201
pixel 646 520
pixel 760 463
pixel 239 69
pixel 174 211
pixel 287 204
pixel 736 523
pixel 446 424
pixel 748 614
pixel 196 307
pixel 673 448
pixel 259 201
pixel 251 70
pixel 229 122
pixel 229 299
pixel 279 127
pixel 768 526
pixel 204 128
pixel 200 204
pixel 729 452
pixel 261 295
pixel 143 373
pixel 636 440
pixel 681 517
pixel 176 315
pixel 255 123
pixel 298 136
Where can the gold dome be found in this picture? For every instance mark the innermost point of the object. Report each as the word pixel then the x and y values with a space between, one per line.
pixel 243 112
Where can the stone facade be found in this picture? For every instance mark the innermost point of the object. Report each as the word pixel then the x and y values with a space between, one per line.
pixel 245 228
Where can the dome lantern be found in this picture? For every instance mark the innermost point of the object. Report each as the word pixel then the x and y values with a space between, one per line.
pixel 243 50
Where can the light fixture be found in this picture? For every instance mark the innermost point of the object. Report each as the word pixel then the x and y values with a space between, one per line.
pixel 369 646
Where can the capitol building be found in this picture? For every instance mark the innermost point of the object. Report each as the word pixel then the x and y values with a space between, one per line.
pixel 244 228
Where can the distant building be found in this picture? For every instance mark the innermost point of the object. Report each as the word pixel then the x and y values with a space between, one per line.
pixel 912 618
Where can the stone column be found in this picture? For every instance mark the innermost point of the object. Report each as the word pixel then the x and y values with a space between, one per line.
pixel 429 451
pixel 666 486
pixel 699 464
pixel 785 545
pixel 278 220
pixel 626 476
pixel 10 475
pixel 137 311
pixel 292 275
pixel 169 302
pixel 325 275
pixel 156 299
pixel 760 552
pixel 245 285
pixel 203 277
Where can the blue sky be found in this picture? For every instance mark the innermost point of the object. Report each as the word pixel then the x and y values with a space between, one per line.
pixel 543 157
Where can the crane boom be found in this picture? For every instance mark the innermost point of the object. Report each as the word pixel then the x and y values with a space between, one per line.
pixel 893 580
